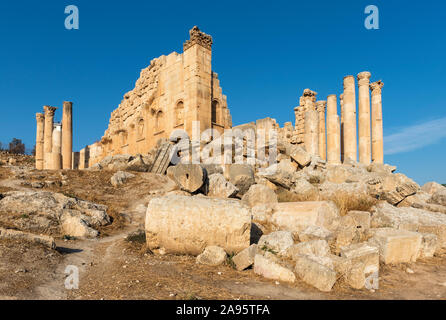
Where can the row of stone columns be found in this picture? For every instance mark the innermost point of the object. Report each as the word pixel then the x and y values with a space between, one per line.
pixel 336 140
pixel 54 141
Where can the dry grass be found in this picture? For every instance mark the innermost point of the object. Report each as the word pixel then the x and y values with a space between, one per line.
pixel 348 202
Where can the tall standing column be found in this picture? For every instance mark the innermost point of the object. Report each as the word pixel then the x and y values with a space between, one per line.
pixel 333 131
pixel 350 145
pixel 320 107
pixel 48 135
pixel 67 135
pixel 40 119
pixel 56 154
pixel 312 132
pixel 341 100
pixel 364 117
pixel 377 122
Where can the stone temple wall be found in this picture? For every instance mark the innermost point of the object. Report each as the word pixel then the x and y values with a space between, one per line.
pixel 170 94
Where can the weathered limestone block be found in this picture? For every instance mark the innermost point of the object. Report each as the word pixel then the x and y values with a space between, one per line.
pixel 120 178
pixel 220 188
pixel 280 174
pixel 439 197
pixel 299 155
pixel 432 187
pixel 259 194
pixel 429 245
pixel 297 216
pixel 271 269
pixel 318 248
pixel 73 225
pixel 315 233
pixel 315 273
pixel 190 177
pixel 278 242
pixel 304 188
pixel 396 246
pixel 19 235
pixel 182 224
pixel 245 259
pixel 361 218
pixel 346 234
pixel 137 165
pixel 212 256
pixel 240 175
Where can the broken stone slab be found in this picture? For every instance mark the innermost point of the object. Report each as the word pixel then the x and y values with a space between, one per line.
pixel 138 165
pixel 187 225
pixel 29 237
pixel 190 177
pixel 315 273
pixel 318 248
pixel 276 242
pixel 240 175
pixel 220 188
pixel 271 269
pixel 303 188
pixel 315 233
pixel 212 256
pixel 362 253
pixel 73 225
pixel 429 245
pixel 439 197
pixel 245 259
pixel 120 178
pixel 259 194
pixel 396 246
pixel 411 219
pixel 297 216
pixel 299 155
pixel 362 219
pixel 280 174
pixel 432 187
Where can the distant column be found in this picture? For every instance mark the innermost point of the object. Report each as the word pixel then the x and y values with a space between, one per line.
pixel 333 131
pixel 67 135
pixel 320 107
pixel 350 145
pixel 81 165
pixel 377 122
pixel 40 119
pixel 48 135
pixel 312 132
pixel 56 154
pixel 341 100
pixel 75 160
pixel 364 117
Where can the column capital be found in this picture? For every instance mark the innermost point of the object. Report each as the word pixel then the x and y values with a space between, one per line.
pixel 309 93
pixel 364 78
pixel 40 117
pixel 376 86
pixel 331 96
pixel 198 37
pixel 49 111
pixel 320 105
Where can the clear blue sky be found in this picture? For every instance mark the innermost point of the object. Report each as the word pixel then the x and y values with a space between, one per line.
pixel 265 52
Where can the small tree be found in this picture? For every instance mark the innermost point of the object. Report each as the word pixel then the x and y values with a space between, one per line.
pixel 16 146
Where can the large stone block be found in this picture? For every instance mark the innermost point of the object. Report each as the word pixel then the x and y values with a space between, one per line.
pixel 297 216
pixel 182 224
pixel 396 246
pixel 259 194
pixel 278 242
pixel 220 188
pixel 271 269
pixel 190 177
pixel 315 273
pixel 245 259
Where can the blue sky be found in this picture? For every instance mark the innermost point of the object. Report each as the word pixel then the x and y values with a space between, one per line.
pixel 265 52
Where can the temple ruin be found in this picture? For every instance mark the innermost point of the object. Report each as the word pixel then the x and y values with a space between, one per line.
pixel 179 89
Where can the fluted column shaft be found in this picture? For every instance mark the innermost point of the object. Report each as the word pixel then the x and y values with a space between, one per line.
pixel 364 118
pixel 40 119
pixel 341 100
pixel 67 135
pixel 320 107
pixel 333 132
pixel 48 135
pixel 312 132
pixel 350 136
pixel 56 156
pixel 377 123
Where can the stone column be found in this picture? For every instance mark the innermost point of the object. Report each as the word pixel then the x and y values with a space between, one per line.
pixel 377 122
pixel 56 154
pixel 350 145
pixel 40 118
pixel 341 100
pixel 312 132
pixel 333 132
pixel 320 108
pixel 81 165
pixel 75 160
pixel 67 135
pixel 364 118
pixel 48 135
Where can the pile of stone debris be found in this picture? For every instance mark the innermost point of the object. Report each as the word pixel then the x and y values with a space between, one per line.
pixel 237 212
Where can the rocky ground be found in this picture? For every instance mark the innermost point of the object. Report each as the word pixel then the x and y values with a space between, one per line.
pixel 97 221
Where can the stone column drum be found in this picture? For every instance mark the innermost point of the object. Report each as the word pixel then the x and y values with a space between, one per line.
pixel 350 146
pixel 56 154
pixel 67 135
pixel 333 131
pixel 312 132
pixel 48 135
pixel 320 107
pixel 377 122
pixel 364 117
pixel 40 118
